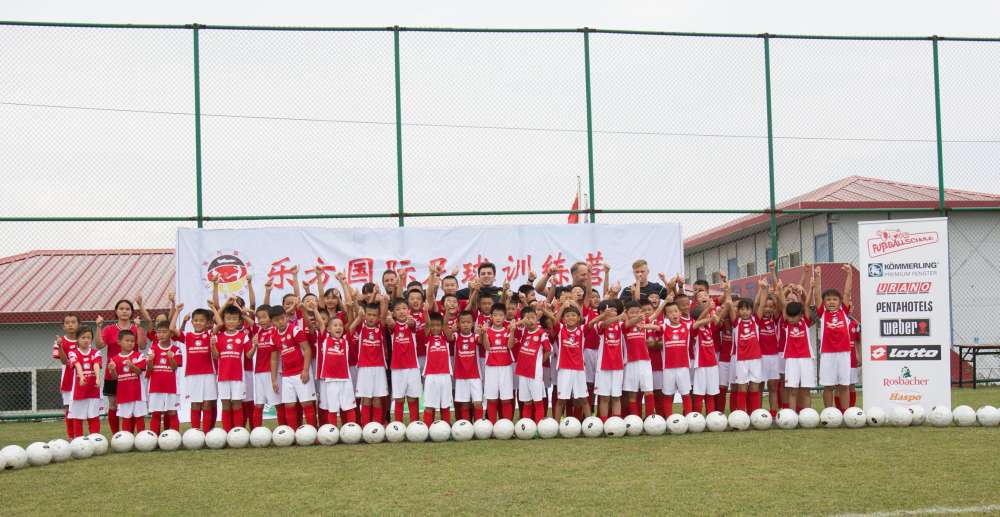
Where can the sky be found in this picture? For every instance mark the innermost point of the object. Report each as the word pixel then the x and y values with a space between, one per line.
pixel 98 122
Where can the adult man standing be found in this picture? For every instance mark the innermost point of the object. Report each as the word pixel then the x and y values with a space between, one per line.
pixel 487 276
pixel 640 269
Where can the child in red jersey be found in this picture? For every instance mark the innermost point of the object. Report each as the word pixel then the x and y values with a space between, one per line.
pixel 437 369
pixel 767 310
pixel 199 369
pixel 294 354
pixel 855 362
pixel 60 350
pixel 85 360
pixel 369 336
pixel 124 313
pixel 676 357
pixel 126 369
pixel 230 345
pixel 609 379
pixel 263 349
pixel 571 380
pixel 162 361
pixel 747 370
pixel 403 367
pixel 468 380
pixel 638 375
pixel 652 319
pixel 332 368
pixel 533 347
pixel 800 359
pixel 705 373
pixel 498 376
pixel 835 339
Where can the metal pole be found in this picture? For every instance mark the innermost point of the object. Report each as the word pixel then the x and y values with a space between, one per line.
pixel 197 128
pixel 770 150
pixel 590 124
pixel 937 116
pixel 399 132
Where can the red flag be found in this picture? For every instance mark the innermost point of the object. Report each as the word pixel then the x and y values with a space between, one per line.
pixel 574 218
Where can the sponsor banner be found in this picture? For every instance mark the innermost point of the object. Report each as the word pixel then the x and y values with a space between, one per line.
pixel 905 312
pixel 363 254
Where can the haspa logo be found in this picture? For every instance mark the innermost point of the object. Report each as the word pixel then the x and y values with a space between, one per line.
pixel 890 241
pixel 890 288
pixel 905 352
pixel 230 270
pixel 905 396
pixel 920 327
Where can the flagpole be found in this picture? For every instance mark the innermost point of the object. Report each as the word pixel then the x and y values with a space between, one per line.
pixel 578 191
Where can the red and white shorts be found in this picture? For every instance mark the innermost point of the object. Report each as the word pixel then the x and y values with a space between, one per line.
pixel 676 380
pixel 248 386
pixel 437 391
pixel 85 408
pixel 499 382
pixel 530 388
pixel 772 367
pixel 468 390
pixel 725 373
pixel 338 394
pixel 835 368
pixel 749 370
pixel 590 363
pixel 705 380
pixel 201 388
pixel 406 383
pixel 161 402
pixel 371 382
pixel 572 384
pixel 800 372
pixel 263 390
pixel 294 390
pixel 231 390
pixel 608 383
pixel 638 377
pixel 132 409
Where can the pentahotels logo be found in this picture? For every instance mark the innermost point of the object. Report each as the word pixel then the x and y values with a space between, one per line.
pixel 890 241
pixel 905 328
pixel 905 352
pixel 888 288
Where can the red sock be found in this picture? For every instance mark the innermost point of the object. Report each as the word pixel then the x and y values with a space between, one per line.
pixel 507 409
pixel 414 408
pixel 213 414
pixel 238 420
pixel 279 411
pixel 379 414
pixel 710 404
pixel 346 416
pixel 836 400
pixel 139 423
pixel 300 413
pixel 464 412
pixel 227 419
pixel 698 403
pixel 446 415
pixel 196 419
pixel 686 404
pixel 247 414
pixel 94 425
pixel 154 422
pixel 755 401
pixel 397 411
pixel 127 424
pixel 528 410
pixel 310 413
pixel 539 410
pixel 113 420
pixel 633 406
pixel 69 424
pixel 477 413
pixel 741 400
pixel 491 410
pixel 841 407
pixel 174 422
pixel 257 419
pixel 853 396
pixel 650 401
pixel 734 401
pixel 366 414
pixel 720 399
pixel 77 427
pixel 428 416
pixel 292 416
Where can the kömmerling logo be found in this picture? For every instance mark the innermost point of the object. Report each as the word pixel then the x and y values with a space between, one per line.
pixel 890 241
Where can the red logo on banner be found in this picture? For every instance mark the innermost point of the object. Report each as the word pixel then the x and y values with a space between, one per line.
pixel 890 241
pixel 885 288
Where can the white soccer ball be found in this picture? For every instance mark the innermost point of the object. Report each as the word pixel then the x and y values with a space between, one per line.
pixel 503 429
pixel 695 422
pixel 570 427
pixel 716 422
pixel 593 427
pixel 526 428
pixel 122 441
pixel 440 431
pixel 964 416
pixel 831 417
pixel 787 419
pixel 214 439
pixel 305 435
pixel 60 450
pixel 417 431
pixel 462 431
pixel 988 416
pixel 548 428
pixel 876 416
pixel 739 420
pixel 82 449
pixel 656 425
pixel 483 428
pixel 854 418
pixel 192 439
pixel 615 427
pixel 900 416
pixel 373 432
pixel 761 419
pixel 918 414
pixel 808 418
pixel 940 416
pixel 100 444
pixel 39 453
pixel 350 433
pixel 14 457
pixel 633 425
pixel 237 438
pixel 260 437
pixel 677 424
pixel 284 435
pixel 395 432
pixel 328 434
pixel 169 440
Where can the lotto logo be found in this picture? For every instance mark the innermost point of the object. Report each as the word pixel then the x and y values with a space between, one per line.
pixel 905 352
pixel 879 353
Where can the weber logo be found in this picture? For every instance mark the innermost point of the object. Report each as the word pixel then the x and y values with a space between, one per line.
pixel 889 288
pixel 905 328
pixel 905 352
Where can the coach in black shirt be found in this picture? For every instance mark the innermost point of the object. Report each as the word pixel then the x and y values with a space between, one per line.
pixel 487 276
pixel 641 271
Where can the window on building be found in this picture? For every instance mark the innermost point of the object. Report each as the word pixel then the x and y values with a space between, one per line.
pixel 700 273
pixel 794 259
pixel 751 269
pixel 822 247
pixel 732 268
pixel 715 277
pixel 783 262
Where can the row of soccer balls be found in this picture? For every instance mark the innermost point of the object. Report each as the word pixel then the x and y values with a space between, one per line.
pixel 57 451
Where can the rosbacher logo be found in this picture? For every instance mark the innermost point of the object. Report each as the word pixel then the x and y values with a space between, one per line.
pixel 905 379
pixel 889 241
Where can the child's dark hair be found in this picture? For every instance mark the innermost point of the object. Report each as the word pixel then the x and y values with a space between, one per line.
pixel 204 313
pixel 122 334
pixel 527 310
pixel 72 315
pixel 331 292
pixel 240 302
pixel 231 310
pixel 744 303
pixel 486 265
pixel 304 296
pixel 414 284
pixel 498 307
pixel 525 289
pixel 644 301
pixel 793 309
pixel 702 283
pixel 368 287
pixel 265 308
pixel 84 330
pixel 603 306
pixel 570 308
pixel 484 296
pixel 464 314
pixel 275 312
pixel 127 302
pixel 451 277
pixel 831 292
pixel 417 290
pixel 163 325
pixel 287 296
pixel 669 304
pixel 680 295
pixel 632 304
pixel 445 297
pixel 373 306
pixel 435 316
pixel 396 302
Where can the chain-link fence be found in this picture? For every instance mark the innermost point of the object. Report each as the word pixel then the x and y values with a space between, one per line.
pixel 114 135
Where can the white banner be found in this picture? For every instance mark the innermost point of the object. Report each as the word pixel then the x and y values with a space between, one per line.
pixel 905 312
pixel 364 253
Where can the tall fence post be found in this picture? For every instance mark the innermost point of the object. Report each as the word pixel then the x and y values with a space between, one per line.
pixel 399 131
pixel 770 150
pixel 197 127
pixel 937 120
pixel 590 123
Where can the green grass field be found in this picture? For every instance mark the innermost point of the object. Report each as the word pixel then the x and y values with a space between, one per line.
pixel 819 471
